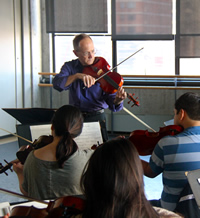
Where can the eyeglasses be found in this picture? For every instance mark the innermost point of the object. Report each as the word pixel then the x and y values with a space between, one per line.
pixel 87 53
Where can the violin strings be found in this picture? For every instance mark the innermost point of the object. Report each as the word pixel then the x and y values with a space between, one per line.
pixel 118 64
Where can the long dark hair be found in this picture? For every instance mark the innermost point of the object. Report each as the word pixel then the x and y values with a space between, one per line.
pixel 68 123
pixel 113 183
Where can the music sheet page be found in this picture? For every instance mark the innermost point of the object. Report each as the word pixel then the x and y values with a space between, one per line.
pixel 39 130
pixel 91 134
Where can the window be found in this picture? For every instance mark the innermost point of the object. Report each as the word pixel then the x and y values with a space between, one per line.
pixel 156 57
pixel 64 49
pixel 131 4
pixel 151 25
pixel 189 66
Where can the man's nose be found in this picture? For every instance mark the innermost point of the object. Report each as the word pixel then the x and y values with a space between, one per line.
pixel 90 54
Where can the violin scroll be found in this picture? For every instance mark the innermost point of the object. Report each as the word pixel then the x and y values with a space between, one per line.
pixel 3 169
pixel 134 100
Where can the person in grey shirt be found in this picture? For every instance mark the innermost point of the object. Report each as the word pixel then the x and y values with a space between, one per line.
pixel 54 170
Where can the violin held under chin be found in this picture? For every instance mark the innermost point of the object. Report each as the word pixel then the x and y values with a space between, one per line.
pixel 109 81
pixel 24 151
pixel 145 141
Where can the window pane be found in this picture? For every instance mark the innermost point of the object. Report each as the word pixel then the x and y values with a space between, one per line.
pixel 76 16
pixel 190 66
pixel 189 46
pixel 103 45
pixel 157 57
pixel 64 49
pixel 190 17
pixel 143 17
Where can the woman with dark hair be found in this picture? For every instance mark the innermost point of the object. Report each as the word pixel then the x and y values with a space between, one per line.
pixel 113 187
pixel 112 182
pixel 55 169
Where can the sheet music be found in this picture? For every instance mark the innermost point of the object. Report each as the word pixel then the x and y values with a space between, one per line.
pixel 39 130
pixel 35 204
pixel 4 208
pixel 91 134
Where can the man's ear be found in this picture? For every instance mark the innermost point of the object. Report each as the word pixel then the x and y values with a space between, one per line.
pixel 75 53
pixel 182 114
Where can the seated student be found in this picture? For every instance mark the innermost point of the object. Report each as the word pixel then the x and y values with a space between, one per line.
pixel 174 155
pixel 55 169
pixel 112 183
pixel 113 186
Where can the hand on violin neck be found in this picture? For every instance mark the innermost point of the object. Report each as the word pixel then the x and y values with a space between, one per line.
pixel 18 168
pixel 120 96
pixel 88 80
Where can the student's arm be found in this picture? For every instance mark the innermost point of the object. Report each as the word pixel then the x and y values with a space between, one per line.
pixel 18 168
pixel 147 170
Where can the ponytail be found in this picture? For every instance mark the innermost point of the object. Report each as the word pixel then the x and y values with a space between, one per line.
pixel 67 123
pixel 65 148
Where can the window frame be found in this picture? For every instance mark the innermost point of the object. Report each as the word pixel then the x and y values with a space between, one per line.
pixel 139 81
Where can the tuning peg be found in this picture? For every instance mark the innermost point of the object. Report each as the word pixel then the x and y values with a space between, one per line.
pixel 5 173
pixel 8 164
pixel 133 100
pixel 1 167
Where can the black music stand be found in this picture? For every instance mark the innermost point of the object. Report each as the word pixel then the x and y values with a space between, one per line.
pixel 28 117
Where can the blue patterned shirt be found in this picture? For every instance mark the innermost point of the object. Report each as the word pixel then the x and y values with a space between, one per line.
pixel 173 156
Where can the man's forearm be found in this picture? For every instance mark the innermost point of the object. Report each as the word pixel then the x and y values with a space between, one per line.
pixel 71 79
pixel 147 170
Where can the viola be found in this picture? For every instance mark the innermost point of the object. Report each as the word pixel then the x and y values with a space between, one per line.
pixel 25 211
pixel 61 207
pixel 109 81
pixel 146 141
pixel 24 151
pixel 38 143
pixel 65 207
